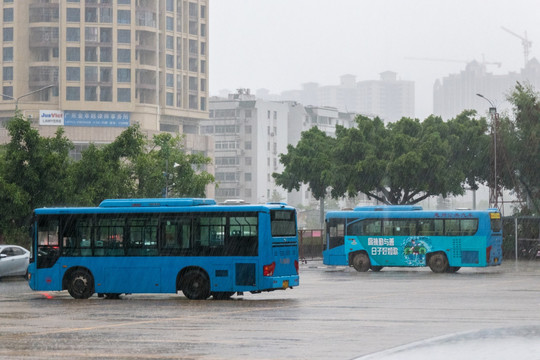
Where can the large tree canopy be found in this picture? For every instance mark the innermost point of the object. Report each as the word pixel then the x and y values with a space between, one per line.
pixel 519 150
pixel 401 163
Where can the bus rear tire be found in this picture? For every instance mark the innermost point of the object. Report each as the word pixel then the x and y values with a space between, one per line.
pixel 196 285
pixel 438 263
pixel 453 269
pixel 81 284
pixel 376 268
pixel 360 261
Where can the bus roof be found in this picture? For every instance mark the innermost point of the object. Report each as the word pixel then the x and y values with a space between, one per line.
pixel 157 202
pixel 396 214
pixel 159 205
pixel 388 208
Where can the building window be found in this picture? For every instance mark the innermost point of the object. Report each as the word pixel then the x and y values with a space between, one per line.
pixel 90 74
pixel 247 145
pixel 90 93
pixel 73 93
pixel 105 93
pixel 105 74
pixel 90 14
pixel 7 90
pixel 7 73
pixel 123 75
pixel 124 16
pixel 91 34
pixel 203 84
pixel 73 34
pixel 105 35
pixel 124 95
pixel 7 54
pixel 170 42
pixel 170 5
pixel 170 80
pixel 124 2
pixel 193 64
pixel 73 15
pixel 169 59
pixel 8 34
pixel 169 23
pixel 193 27
pixel 193 102
pixel 124 36
pixel 247 129
pixel 248 160
pixel 105 15
pixel 124 56
pixel 73 73
pixel 203 103
pixel 247 177
pixel 203 48
pixel 203 29
pixel 105 54
pixel 203 66
pixel 169 99
pixel 73 54
pixel 193 83
pixel 8 14
pixel 90 53
pixel 203 12
pixel 193 10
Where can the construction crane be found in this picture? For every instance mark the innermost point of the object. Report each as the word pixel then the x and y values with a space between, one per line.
pixel 525 42
pixel 484 62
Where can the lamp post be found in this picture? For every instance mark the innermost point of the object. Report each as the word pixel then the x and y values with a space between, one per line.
pixel 27 94
pixel 494 192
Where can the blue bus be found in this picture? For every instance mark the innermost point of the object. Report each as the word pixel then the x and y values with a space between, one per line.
pixel 127 246
pixel 372 237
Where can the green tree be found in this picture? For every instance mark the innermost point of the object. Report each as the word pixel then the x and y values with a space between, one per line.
pixel 521 145
pixel 310 162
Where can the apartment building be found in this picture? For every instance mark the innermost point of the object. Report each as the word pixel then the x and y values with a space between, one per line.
pixel 250 134
pixel 98 66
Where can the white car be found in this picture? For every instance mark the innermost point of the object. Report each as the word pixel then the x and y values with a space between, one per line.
pixel 14 260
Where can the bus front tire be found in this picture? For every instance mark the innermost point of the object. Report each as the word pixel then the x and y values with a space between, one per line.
pixel 438 263
pixel 360 262
pixel 196 285
pixel 81 285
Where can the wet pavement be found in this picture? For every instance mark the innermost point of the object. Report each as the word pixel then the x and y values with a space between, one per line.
pixel 335 313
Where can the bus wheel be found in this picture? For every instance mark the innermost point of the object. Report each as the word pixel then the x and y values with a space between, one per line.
pixel 222 295
pixel 453 269
pixel 112 296
pixel 376 268
pixel 81 285
pixel 360 262
pixel 438 263
pixel 196 285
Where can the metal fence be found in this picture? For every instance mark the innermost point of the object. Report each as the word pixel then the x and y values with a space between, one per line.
pixel 311 244
pixel 521 237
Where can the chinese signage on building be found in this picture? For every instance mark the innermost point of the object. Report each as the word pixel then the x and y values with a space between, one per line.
pixel 84 118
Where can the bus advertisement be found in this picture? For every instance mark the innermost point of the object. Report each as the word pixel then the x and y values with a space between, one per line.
pixel 164 245
pixel 373 237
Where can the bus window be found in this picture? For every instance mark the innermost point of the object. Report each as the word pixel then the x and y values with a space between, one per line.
pixel 110 236
pixel 496 222
pixel 335 231
pixel 142 237
pixel 372 227
pixel 283 222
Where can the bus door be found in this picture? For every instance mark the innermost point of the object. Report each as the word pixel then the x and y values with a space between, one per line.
pixel 334 253
pixel 494 247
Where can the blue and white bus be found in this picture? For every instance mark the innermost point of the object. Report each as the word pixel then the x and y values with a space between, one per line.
pixel 373 237
pixel 164 245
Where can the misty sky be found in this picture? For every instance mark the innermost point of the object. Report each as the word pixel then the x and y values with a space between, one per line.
pixel 281 44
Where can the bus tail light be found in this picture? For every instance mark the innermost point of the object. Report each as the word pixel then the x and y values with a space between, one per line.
pixel 268 270
pixel 296 266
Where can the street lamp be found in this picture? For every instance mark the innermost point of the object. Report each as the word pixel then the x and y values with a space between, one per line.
pixel 494 193
pixel 27 94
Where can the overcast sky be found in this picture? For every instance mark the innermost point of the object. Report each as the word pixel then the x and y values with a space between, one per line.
pixel 281 44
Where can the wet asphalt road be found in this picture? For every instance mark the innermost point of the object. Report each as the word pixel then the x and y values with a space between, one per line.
pixel 336 313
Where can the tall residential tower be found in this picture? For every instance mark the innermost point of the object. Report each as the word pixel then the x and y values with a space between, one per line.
pixel 97 66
